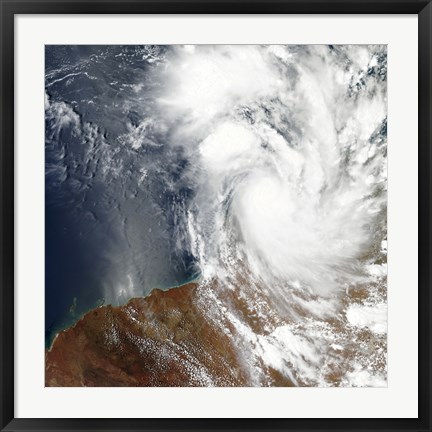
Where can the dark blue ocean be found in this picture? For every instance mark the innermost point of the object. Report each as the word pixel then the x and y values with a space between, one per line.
pixel 113 188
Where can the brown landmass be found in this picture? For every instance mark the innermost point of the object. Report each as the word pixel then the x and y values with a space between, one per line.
pixel 213 334
pixel 164 339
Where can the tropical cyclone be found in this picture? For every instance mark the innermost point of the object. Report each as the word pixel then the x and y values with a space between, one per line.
pixel 260 172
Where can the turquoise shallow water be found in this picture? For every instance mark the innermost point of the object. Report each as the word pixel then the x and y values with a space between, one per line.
pixel 265 164
pixel 75 313
pixel 112 210
pixel 70 319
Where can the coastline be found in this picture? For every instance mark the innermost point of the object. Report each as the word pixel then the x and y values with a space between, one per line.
pixel 164 339
pixel 73 322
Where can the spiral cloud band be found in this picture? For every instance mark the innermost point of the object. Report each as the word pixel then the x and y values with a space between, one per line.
pixel 258 172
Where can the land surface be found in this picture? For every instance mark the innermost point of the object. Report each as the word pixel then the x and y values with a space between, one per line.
pixel 164 339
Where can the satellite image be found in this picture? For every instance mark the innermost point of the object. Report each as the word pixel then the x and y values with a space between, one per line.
pixel 216 215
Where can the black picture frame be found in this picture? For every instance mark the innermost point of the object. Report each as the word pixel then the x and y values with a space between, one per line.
pixel 8 9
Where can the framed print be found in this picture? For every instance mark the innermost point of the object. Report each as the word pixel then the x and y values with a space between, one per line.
pixel 215 216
